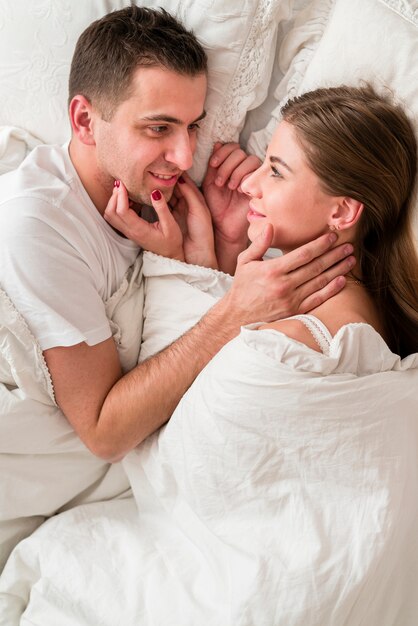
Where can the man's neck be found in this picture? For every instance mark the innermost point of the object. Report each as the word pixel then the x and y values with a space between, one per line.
pixel 83 159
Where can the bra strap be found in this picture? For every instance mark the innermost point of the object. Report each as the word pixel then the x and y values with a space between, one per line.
pixel 318 331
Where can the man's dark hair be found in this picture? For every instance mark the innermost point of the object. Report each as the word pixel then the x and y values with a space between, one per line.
pixel 110 50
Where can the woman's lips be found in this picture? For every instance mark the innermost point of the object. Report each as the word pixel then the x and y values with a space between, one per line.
pixel 254 215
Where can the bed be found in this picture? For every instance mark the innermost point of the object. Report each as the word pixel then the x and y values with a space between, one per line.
pixel 150 540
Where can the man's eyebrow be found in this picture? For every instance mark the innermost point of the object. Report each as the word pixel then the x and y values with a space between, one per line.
pixel 276 159
pixel 169 119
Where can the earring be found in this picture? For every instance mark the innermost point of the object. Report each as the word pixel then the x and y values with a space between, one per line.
pixel 333 227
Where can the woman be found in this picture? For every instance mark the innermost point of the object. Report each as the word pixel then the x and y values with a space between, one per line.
pixel 347 162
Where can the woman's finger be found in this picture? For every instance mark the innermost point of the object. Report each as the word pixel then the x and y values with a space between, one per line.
pixel 244 169
pixel 221 152
pixel 162 209
pixel 122 204
pixel 229 165
pixel 110 209
pixel 185 178
pixel 194 198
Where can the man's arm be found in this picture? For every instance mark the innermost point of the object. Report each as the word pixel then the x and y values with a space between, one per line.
pixel 113 413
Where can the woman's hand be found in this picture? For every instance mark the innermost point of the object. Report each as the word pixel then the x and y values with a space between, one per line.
pixel 194 218
pixel 163 237
pixel 228 166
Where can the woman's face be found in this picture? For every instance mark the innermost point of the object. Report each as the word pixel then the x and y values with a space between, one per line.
pixel 286 193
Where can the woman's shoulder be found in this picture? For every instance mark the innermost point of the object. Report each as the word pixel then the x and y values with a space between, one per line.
pixel 294 328
pixel 350 306
pixel 353 305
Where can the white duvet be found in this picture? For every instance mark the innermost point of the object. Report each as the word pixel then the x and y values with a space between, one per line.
pixel 282 492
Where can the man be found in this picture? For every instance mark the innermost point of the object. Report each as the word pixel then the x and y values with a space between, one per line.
pixel 137 91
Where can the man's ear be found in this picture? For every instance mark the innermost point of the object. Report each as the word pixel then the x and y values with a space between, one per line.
pixel 81 119
pixel 346 214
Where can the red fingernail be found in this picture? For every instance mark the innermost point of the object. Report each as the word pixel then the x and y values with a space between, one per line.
pixel 181 180
pixel 156 194
pixel 116 183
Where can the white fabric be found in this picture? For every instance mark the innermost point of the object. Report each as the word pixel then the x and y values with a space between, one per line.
pixel 291 478
pixel 15 145
pixel 177 295
pixel 348 41
pixel 44 467
pixel 284 473
pixel 282 491
pixel 259 117
pixel 350 558
pixel 59 259
pixel 36 44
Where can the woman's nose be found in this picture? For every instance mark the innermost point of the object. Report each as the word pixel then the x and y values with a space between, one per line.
pixel 250 185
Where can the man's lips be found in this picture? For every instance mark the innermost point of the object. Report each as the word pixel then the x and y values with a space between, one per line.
pixel 164 180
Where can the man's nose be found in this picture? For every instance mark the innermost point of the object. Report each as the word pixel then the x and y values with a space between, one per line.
pixel 181 152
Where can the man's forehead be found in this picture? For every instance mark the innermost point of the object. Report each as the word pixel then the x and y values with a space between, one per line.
pixel 159 94
pixel 154 79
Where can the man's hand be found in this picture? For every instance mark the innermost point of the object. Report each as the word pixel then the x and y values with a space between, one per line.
pixel 228 166
pixel 294 283
pixel 163 237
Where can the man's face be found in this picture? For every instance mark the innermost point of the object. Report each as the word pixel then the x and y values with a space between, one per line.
pixel 151 137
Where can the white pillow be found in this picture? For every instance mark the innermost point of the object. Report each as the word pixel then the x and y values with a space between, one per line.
pixel 346 41
pixel 37 40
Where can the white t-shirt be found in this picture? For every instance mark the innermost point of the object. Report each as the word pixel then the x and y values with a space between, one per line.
pixel 59 259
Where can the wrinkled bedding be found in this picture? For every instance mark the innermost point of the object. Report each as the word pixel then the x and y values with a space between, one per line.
pixel 44 467
pixel 282 491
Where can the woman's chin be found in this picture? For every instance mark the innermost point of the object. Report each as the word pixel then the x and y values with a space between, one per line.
pixel 255 230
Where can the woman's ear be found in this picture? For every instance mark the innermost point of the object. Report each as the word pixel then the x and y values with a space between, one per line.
pixel 346 214
pixel 81 119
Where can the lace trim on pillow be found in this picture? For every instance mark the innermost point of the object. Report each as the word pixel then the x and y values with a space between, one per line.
pixel 295 53
pixel 318 331
pixel 239 97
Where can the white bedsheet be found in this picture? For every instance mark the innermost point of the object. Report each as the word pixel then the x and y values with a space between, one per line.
pixel 275 495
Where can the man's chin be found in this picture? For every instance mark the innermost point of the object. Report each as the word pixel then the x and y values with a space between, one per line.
pixel 167 193
pixel 144 198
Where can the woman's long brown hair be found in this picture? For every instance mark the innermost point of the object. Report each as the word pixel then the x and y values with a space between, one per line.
pixel 362 145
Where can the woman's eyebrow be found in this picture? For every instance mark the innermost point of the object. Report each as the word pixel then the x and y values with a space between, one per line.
pixel 276 159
